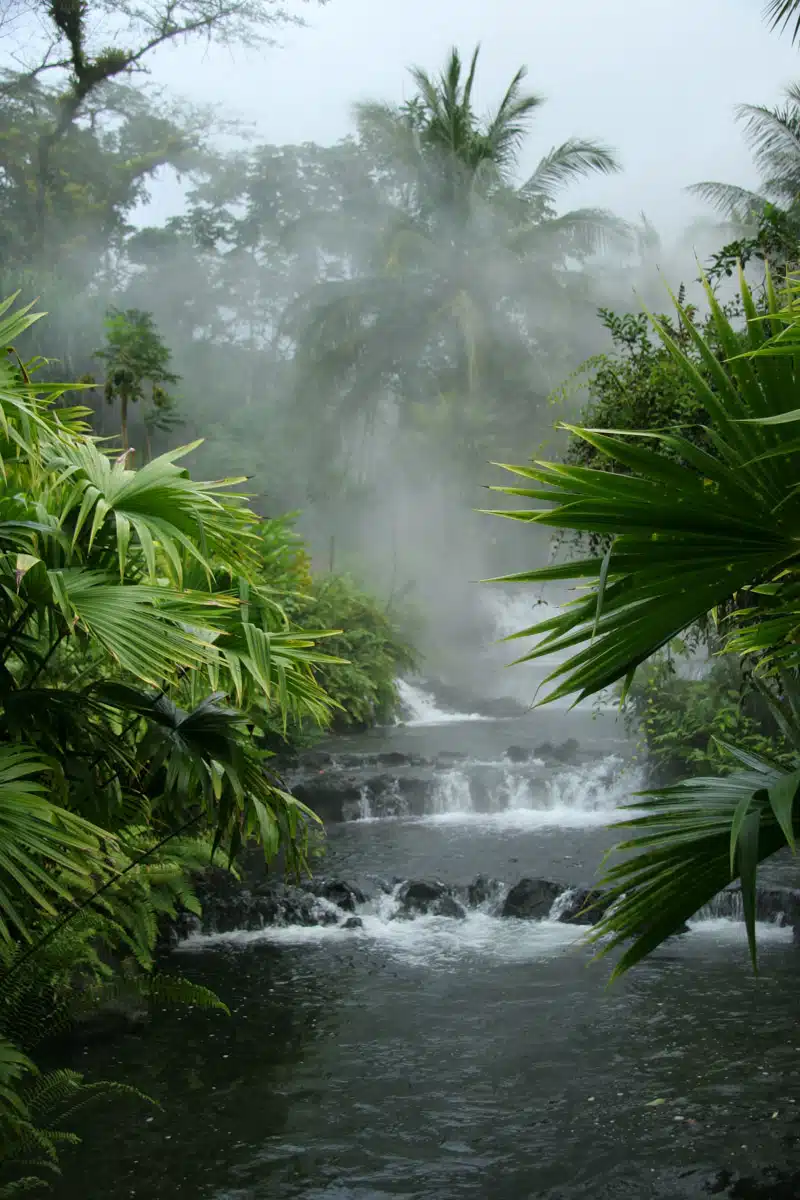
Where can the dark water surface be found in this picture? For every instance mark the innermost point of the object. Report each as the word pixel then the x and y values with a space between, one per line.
pixel 440 1059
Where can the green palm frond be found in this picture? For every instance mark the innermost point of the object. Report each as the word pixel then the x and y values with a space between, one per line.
pixel 582 231
pixel 734 202
pixel 685 538
pixel 146 629
pixel 781 13
pixel 572 160
pixel 159 507
pixel 14 1066
pixel 47 854
pixel 688 842
pixel 508 127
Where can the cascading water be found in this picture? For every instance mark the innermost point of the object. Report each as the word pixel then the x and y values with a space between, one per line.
pixel 451 793
pixel 419 1018
pixel 532 794
pixel 421 708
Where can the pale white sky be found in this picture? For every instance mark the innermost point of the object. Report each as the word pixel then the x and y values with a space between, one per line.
pixel 656 79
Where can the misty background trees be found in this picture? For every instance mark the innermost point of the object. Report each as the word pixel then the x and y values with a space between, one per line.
pixel 359 328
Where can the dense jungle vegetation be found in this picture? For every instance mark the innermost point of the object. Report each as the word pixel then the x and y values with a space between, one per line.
pixel 317 323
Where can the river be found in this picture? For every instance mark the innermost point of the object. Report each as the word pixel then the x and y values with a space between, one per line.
pixel 454 1059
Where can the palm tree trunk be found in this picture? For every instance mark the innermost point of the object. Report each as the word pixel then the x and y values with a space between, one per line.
pixel 123 416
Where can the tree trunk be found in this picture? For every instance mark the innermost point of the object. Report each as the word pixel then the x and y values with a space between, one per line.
pixel 123 402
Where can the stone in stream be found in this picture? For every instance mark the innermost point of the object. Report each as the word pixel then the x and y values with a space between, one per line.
pixel 518 754
pixel 566 752
pixel 353 923
pixel 418 897
pixel 483 890
pixel 531 899
pixel 583 906
pixel 337 891
pixel 448 906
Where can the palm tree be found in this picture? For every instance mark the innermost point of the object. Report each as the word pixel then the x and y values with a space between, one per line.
pixel 460 254
pixel 711 529
pixel 774 137
pixel 781 13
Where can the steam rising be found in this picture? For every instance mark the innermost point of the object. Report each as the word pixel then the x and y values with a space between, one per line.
pixel 250 282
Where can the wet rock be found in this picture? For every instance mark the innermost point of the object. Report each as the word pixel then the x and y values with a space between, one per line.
pixel 416 896
pixel 330 796
pixel 567 751
pixel 313 760
pixel 583 906
pixel 448 757
pixel 391 795
pixel 518 754
pixel 448 906
pixel 483 890
pixel 393 758
pixel 531 899
pixel 771 1185
pixel 353 923
pixel 337 891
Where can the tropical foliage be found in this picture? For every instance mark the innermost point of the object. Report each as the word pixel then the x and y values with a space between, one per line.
pixel 152 646
pixel 782 13
pixel 373 642
pixel 136 355
pixel 718 539
pixel 683 720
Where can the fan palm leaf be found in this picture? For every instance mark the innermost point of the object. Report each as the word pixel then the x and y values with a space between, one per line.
pixel 684 540
pixel 687 535
pixel 686 843
pixel 47 853
pixel 158 506
pixel 736 203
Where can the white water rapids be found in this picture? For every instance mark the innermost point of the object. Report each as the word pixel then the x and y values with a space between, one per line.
pixel 505 796
pixel 420 708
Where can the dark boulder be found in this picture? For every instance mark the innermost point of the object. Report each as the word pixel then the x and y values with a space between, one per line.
pixel 331 797
pixel 567 751
pixel 416 896
pixel 353 923
pixel 531 899
pixel 448 906
pixel 338 892
pixel 564 753
pixel 518 754
pixel 583 906
pixel 483 890
pixel 393 758
pixel 315 760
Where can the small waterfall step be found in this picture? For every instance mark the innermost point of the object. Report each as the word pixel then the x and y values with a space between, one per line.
pixel 231 907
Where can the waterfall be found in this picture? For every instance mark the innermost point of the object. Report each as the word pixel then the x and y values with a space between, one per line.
pixel 451 793
pixel 422 709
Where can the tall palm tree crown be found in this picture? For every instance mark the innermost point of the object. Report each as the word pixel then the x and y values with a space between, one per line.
pixel 774 138
pixel 454 239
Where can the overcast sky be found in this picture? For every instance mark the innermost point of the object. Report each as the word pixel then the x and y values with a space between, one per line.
pixel 656 79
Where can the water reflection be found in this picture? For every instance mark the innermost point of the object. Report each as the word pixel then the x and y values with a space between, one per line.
pixel 348 1072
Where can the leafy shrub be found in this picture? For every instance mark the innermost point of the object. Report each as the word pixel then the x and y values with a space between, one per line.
pixel 375 647
pixel 681 722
